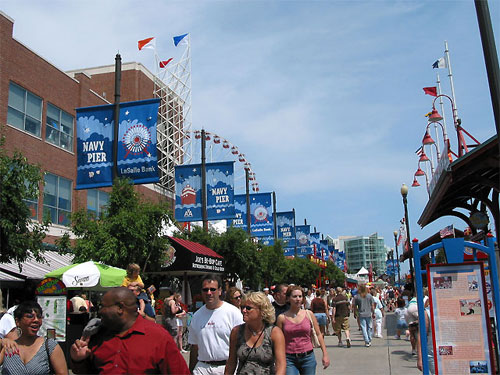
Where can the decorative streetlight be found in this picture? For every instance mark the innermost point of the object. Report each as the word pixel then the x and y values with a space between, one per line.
pixel 397 255
pixel 404 194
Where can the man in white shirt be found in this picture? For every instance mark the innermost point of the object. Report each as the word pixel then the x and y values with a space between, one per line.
pixel 269 296
pixel 210 330
pixel 7 326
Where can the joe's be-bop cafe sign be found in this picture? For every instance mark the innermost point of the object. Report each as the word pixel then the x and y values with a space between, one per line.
pixel 204 263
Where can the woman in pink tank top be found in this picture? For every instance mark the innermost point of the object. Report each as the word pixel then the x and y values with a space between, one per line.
pixel 296 326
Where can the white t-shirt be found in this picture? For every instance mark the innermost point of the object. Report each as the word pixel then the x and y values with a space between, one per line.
pixel 210 330
pixel 308 300
pixel 7 323
pixel 271 298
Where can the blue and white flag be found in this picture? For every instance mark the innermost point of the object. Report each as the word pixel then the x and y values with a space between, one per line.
pixel 285 222
pixel 220 190
pixel 94 147
pixel 188 193
pixel 240 213
pixel 439 63
pixel 303 241
pixel 137 156
pixel 261 214
pixel 136 159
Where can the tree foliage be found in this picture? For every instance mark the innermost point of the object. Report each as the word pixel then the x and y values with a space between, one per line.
pixel 20 237
pixel 127 232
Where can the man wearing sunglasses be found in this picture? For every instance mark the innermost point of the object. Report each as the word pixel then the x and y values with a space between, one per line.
pixel 210 329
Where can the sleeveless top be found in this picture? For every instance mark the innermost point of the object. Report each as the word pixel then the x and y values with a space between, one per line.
pixel 261 358
pixel 38 365
pixel 297 335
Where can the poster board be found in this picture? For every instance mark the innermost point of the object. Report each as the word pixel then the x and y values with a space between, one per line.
pixel 459 318
pixel 54 316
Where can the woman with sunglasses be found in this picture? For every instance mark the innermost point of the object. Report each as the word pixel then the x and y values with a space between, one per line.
pixel 257 345
pixel 296 324
pixel 35 354
pixel 234 296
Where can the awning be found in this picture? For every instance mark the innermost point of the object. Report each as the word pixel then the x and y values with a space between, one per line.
pixel 191 258
pixel 32 269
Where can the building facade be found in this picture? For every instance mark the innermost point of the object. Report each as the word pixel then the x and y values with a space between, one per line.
pixel 362 251
pixel 37 118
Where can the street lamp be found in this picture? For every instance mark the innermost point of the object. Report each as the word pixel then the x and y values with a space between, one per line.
pixel 397 254
pixel 404 194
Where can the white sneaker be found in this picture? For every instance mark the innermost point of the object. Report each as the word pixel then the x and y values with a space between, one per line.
pixel 368 344
pixel 184 351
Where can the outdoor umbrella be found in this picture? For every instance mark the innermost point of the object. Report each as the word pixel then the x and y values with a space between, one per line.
pixel 89 275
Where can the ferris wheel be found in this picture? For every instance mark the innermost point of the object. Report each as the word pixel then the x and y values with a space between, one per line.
pixel 218 149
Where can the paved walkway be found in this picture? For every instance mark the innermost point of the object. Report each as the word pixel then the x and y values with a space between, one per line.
pixel 386 356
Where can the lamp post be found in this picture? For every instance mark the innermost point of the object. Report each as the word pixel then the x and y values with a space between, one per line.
pixel 397 255
pixel 404 194
pixel 390 256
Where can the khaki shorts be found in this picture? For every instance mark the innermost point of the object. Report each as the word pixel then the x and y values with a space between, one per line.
pixel 341 323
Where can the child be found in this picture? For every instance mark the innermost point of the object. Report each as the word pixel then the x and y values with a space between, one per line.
pixel 133 276
pixel 401 313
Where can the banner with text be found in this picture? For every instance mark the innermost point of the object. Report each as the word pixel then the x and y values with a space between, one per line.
pixel 261 214
pixel 303 241
pixel 286 230
pixel 324 253
pixel 137 156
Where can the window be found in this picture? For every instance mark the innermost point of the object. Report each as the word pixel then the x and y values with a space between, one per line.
pixel 59 127
pixel 57 199
pixel 24 110
pixel 96 201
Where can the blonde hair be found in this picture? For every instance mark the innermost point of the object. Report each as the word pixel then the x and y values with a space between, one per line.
pixel 133 267
pixel 260 300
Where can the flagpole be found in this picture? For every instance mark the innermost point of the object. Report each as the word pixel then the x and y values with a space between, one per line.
pixel 116 114
pixel 450 75
pixel 203 182
pixel 275 226
pixel 441 104
pixel 295 231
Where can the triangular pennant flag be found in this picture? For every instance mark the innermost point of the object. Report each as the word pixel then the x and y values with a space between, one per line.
pixel 146 43
pixel 165 62
pixel 177 39
pixel 439 63
pixel 430 91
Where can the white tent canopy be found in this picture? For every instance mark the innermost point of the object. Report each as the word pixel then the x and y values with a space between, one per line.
pixel 363 271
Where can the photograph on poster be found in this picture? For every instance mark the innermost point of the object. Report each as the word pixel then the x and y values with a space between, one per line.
pixel 478 367
pixel 470 306
pixel 472 280
pixel 446 350
pixel 443 282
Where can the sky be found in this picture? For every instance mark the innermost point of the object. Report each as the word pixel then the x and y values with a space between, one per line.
pixel 324 98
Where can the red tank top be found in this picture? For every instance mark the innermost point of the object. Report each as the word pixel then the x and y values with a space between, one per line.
pixel 297 335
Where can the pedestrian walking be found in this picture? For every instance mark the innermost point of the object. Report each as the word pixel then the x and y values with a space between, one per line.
pixel 401 325
pixel 210 329
pixel 234 296
pixel 297 325
pixel 257 345
pixel 280 303
pixel 364 306
pixel 340 316
pixel 379 314
pixel 320 308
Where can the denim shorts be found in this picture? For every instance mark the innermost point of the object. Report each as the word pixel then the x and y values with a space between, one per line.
pixel 321 318
pixel 301 365
pixel 401 324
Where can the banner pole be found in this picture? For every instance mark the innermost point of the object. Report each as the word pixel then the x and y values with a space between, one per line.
pixel 116 115
pixel 295 232
pixel 247 187
pixel 203 182
pixel 275 226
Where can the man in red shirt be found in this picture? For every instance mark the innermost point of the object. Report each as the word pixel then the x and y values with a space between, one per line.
pixel 126 343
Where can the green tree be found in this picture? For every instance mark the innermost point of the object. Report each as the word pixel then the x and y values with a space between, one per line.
pixel 127 232
pixel 301 271
pixel 20 237
pixel 272 264
pixel 334 274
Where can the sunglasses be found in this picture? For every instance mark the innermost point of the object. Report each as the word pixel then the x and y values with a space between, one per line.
pixel 209 289
pixel 236 297
pixel 247 308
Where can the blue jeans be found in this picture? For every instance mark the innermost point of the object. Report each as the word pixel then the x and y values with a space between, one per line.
pixel 302 365
pixel 366 328
pixel 321 318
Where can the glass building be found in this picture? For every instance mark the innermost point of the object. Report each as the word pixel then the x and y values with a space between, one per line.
pixel 362 250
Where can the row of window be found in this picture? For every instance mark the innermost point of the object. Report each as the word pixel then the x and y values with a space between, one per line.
pixel 57 200
pixel 25 113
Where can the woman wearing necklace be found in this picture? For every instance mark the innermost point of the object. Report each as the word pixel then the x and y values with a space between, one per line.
pixel 296 325
pixel 257 345
pixel 35 355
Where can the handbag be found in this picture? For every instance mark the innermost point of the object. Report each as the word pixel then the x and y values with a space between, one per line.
pixel 314 335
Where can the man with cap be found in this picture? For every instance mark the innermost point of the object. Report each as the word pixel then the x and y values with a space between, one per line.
pixel 269 296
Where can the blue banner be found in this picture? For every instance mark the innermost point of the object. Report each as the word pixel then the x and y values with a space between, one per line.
pixel 303 242
pixel 261 214
pixel 267 240
pixel 285 222
pixel 391 267
pixel 188 192
pixel 315 238
pixel 324 253
pixel 341 260
pixel 289 251
pixel 220 190
pixel 137 158
pixel 94 147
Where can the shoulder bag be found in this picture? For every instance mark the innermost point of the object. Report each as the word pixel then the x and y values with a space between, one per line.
pixel 314 335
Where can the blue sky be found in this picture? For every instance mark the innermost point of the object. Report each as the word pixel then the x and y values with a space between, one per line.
pixel 324 97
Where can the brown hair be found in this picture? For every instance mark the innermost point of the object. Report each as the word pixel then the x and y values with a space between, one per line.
pixel 362 290
pixel 291 288
pixel 133 267
pixel 230 293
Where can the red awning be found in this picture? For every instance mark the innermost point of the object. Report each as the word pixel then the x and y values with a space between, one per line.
pixel 196 248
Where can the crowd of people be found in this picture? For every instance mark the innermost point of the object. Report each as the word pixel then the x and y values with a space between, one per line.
pixel 273 331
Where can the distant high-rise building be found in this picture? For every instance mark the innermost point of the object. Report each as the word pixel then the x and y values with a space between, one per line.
pixel 362 250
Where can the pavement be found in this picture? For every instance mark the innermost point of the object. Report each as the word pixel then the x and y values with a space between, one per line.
pixel 386 356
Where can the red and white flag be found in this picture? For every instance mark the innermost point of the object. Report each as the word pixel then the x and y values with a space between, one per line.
pixel 146 43
pixel 164 63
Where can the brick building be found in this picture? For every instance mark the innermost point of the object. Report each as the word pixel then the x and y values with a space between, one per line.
pixel 37 117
